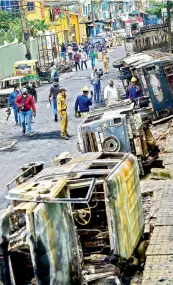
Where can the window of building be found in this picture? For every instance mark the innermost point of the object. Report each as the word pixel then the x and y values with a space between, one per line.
pixel 30 6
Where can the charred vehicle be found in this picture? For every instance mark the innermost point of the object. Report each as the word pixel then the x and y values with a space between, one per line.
pixel 119 128
pixel 155 76
pixel 70 217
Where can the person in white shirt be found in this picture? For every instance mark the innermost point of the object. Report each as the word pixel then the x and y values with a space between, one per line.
pixel 70 52
pixel 110 93
pixel 84 58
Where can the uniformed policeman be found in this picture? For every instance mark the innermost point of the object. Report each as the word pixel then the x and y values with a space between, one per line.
pixel 62 112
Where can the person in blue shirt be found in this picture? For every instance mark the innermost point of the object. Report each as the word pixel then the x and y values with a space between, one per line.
pixel 12 102
pixel 95 80
pixel 63 51
pixel 83 103
pixel 133 91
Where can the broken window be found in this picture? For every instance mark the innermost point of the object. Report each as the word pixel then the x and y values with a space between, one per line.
pixel 21 264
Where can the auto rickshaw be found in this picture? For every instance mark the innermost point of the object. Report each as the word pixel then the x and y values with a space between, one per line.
pixel 28 68
pixel 7 86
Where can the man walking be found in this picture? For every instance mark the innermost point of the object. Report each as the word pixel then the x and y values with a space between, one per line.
pixel 95 79
pixel 70 52
pixel 12 101
pixel 84 58
pixel 54 90
pixel 26 105
pixel 77 60
pixel 110 93
pixel 62 112
pixel 63 51
pixel 106 62
pixel 83 103
pixel 92 56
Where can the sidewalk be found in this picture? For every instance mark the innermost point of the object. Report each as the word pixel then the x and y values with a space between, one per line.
pixel 159 262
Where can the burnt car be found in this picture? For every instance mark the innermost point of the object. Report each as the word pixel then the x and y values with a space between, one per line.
pixel 119 128
pixel 70 218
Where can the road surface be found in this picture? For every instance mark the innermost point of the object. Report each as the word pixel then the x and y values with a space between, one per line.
pixel 46 143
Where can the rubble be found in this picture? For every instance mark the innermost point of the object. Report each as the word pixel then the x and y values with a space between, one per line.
pixel 157 173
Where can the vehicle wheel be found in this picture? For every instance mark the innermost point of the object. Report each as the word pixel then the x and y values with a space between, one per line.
pixel 111 144
pixel 117 64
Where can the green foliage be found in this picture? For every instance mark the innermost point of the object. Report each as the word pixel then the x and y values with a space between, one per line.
pixel 11 28
pixel 37 25
pixel 156 8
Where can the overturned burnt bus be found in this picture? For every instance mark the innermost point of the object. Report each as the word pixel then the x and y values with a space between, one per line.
pixel 119 128
pixel 70 217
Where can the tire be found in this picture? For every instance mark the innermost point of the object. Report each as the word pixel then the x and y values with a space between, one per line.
pixel 117 64
pixel 111 144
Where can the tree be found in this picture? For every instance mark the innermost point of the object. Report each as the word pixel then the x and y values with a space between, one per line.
pixel 36 26
pixel 156 8
pixel 11 28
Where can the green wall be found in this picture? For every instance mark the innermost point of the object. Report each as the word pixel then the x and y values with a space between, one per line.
pixel 13 52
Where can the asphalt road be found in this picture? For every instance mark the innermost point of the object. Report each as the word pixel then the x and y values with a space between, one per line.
pixel 46 143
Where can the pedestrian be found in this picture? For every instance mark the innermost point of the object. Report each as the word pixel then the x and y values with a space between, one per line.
pixel 106 62
pixel 83 103
pixel 54 50
pixel 70 52
pixel 92 55
pixel 26 105
pixel 12 101
pixel 63 51
pixel 32 90
pixel 54 90
pixel 54 73
pixel 95 80
pixel 110 93
pixel 114 40
pixel 62 112
pixel 133 90
pixel 86 48
pixel 75 47
pixel 110 41
pixel 77 60
pixel 84 58
pixel 99 48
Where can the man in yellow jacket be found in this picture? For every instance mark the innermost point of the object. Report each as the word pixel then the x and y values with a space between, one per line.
pixel 62 112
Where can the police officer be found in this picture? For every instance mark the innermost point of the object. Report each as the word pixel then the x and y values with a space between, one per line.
pixel 62 112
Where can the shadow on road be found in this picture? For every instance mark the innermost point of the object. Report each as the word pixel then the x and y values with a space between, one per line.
pixel 41 136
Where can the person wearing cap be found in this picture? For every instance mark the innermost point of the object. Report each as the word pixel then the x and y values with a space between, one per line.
pixel 133 91
pixel 12 101
pixel 26 105
pixel 53 93
pixel 83 103
pixel 110 93
pixel 62 112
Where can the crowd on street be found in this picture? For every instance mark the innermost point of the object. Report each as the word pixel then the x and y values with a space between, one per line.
pixel 23 100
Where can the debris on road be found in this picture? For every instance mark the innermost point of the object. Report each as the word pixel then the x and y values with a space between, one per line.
pixel 7 145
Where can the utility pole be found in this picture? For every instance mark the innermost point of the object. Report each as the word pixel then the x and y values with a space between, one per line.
pixel 168 7
pixel 25 31
pixel 93 17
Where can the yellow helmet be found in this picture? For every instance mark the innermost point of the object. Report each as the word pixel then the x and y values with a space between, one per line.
pixel 85 88
pixel 133 79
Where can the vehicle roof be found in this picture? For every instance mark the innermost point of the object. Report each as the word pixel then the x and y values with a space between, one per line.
pixel 6 91
pixel 12 78
pixel 26 61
